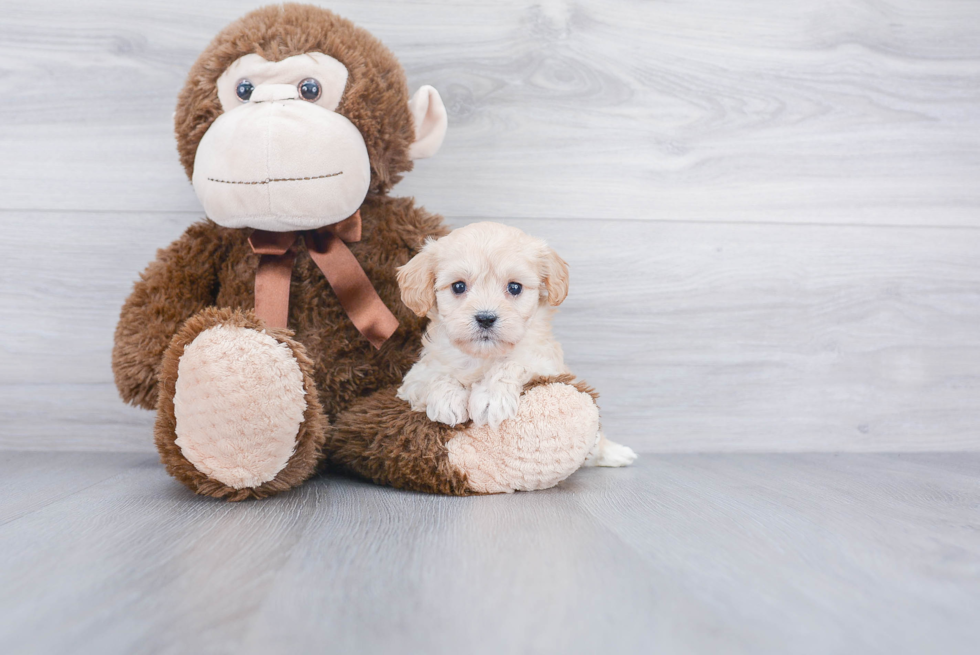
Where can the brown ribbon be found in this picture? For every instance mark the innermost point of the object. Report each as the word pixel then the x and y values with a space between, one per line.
pixel 328 250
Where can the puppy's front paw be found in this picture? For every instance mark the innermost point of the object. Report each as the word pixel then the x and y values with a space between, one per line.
pixel 494 403
pixel 447 404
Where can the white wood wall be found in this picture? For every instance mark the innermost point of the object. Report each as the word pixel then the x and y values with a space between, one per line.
pixel 771 209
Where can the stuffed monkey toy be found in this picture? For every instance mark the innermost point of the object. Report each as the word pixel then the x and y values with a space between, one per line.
pixel 270 338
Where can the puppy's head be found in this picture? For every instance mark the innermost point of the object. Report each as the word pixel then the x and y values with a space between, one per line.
pixel 484 283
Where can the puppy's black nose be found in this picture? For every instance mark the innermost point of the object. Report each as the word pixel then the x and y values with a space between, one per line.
pixel 485 319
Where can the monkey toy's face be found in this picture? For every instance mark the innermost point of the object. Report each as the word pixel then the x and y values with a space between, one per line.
pixel 280 157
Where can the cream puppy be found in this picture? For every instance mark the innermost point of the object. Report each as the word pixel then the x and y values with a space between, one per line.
pixel 489 291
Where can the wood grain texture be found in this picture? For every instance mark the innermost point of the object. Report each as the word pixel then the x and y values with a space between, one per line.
pixel 73 417
pixel 836 112
pixel 770 211
pixel 699 337
pixel 695 162
pixel 797 550
pixel 678 554
pixel 32 480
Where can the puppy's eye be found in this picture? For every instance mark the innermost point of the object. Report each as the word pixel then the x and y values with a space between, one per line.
pixel 514 288
pixel 309 89
pixel 244 90
pixel 459 287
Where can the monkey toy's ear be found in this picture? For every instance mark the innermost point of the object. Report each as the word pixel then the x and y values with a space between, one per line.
pixel 429 116
pixel 417 280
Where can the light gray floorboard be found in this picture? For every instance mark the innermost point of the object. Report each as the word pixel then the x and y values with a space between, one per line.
pixel 678 554
pixel 32 480
pixel 74 417
pixel 846 554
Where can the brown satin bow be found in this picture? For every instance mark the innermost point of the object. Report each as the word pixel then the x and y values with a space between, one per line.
pixel 328 250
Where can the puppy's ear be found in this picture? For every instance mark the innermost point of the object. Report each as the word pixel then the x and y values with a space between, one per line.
pixel 555 277
pixel 417 280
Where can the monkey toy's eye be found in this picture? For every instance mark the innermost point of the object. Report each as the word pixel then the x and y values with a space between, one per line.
pixel 514 288
pixel 309 89
pixel 244 90
pixel 459 287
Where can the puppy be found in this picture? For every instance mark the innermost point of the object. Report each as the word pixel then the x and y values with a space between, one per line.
pixel 489 291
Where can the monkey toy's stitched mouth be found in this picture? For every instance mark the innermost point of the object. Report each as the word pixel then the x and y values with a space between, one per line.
pixel 276 179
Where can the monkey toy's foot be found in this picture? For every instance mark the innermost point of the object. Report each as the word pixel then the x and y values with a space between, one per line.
pixel 238 414
pixel 555 429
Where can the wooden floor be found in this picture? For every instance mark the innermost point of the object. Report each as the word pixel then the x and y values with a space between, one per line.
pixel 103 553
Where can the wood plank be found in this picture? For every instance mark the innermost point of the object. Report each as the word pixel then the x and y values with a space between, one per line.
pixel 65 278
pixel 138 564
pixel 72 417
pixel 775 338
pixel 677 554
pixel 852 112
pixel 32 480
pixel 698 336
pixel 410 573
pixel 851 553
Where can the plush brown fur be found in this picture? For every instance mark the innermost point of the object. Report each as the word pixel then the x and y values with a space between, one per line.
pixel 564 378
pixel 381 439
pixel 214 266
pixel 375 100
pixel 211 267
pixel 179 283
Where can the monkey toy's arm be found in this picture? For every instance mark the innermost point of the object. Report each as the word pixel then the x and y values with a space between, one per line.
pixel 178 284
pixel 556 426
